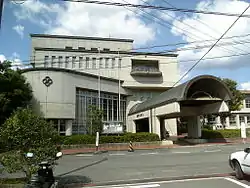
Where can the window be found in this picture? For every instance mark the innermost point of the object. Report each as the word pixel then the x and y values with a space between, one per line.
pixel 66 61
pixel 120 63
pixel 106 63
pixel 46 61
pixel 87 63
pixel 101 63
pixel 62 129
pixel 80 62
pixel 81 48
pixel 232 119
pixel 113 63
pixel 248 119
pixel 74 62
pixel 106 49
pixel 247 101
pixel 53 60
pixel 68 47
pixel 94 49
pixel 60 61
pixel 93 63
pixel 242 119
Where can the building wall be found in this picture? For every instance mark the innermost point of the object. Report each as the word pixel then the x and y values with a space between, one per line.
pixel 167 64
pixel 58 100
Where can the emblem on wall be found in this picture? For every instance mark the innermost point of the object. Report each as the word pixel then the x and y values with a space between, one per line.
pixel 47 81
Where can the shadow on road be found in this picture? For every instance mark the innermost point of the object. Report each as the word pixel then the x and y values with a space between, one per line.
pixel 73 181
pixel 83 167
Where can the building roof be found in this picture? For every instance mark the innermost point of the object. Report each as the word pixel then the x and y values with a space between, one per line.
pixel 68 71
pixel 106 52
pixel 81 37
pixel 245 91
pixel 181 92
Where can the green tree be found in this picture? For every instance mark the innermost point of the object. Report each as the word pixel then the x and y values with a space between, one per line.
pixel 14 91
pixel 27 132
pixel 94 119
pixel 238 97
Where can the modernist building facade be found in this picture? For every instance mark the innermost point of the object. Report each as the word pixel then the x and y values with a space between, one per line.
pixel 69 73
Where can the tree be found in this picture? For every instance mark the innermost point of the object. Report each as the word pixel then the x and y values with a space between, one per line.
pixel 14 91
pixel 27 132
pixel 94 119
pixel 238 97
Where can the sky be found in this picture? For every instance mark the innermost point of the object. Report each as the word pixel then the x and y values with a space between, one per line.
pixel 229 59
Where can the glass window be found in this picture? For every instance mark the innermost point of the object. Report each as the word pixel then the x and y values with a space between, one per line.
pixel 113 63
pixel 232 119
pixel 101 63
pixel 87 63
pixel 60 61
pixel 74 62
pixel 242 119
pixel 66 61
pixel 247 101
pixel 248 119
pixel 53 61
pixel 80 62
pixel 120 63
pixel 106 63
pixel 93 63
pixel 46 61
pixel 115 107
pixel 110 106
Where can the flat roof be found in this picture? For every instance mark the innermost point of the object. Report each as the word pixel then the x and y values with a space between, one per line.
pixel 81 37
pixel 106 52
pixel 68 71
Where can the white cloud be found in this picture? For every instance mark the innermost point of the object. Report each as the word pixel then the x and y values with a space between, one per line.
pixel 245 86
pixel 19 29
pixel 2 58
pixel 210 27
pixel 87 19
pixel 16 61
pixel 168 16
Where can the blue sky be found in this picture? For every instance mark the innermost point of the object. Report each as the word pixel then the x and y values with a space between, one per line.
pixel 57 17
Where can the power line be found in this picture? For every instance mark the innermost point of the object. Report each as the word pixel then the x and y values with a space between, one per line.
pixel 157 8
pixel 212 46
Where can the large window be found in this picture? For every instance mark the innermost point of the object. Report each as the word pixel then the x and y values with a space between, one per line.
pixel 46 61
pixel 247 101
pixel 109 105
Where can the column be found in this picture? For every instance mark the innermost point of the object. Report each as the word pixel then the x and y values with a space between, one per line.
pixel 171 126
pixel 245 120
pixel 238 121
pixel 194 127
pixel 68 127
pixel 150 121
pixel 227 122
pixel 156 124
pixel 218 120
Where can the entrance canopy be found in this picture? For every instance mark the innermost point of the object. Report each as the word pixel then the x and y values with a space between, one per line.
pixel 205 89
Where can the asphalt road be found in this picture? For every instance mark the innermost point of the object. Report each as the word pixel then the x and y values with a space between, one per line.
pixel 125 167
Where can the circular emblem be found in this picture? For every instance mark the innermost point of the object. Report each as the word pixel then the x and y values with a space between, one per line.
pixel 47 81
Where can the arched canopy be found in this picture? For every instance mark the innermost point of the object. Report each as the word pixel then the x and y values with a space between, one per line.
pixel 199 87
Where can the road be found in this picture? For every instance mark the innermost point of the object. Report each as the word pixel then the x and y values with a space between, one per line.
pixel 146 166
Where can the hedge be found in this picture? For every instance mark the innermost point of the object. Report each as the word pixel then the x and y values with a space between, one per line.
pixel 88 139
pixel 226 133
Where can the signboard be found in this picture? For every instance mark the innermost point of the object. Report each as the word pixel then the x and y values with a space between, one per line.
pixel 112 128
pixel 243 130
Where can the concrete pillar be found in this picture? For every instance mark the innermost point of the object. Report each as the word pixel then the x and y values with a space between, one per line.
pixel 68 127
pixel 245 120
pixel 156 124
pixel 227 122
pixel 194 127
pixel 150 119
pixel 238 121
pixel 218 120
pixel 171 126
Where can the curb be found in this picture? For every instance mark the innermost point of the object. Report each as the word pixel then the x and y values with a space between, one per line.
pixel 148 180
pixel 167 147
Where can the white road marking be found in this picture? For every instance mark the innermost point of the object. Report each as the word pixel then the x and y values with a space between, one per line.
pixel 153 183
pixel 114 154
pixel 181 152
pixel 210 151
pixel 84 155
pixel 237 182
pixel 149 153
pixel 140 186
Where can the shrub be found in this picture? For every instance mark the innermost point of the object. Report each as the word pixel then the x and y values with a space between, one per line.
pixel 89 139
pixel 227 133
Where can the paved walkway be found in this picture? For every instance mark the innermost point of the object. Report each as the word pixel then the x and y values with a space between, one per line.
pixel 142 147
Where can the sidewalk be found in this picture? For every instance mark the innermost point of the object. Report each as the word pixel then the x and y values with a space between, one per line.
pixel 142 147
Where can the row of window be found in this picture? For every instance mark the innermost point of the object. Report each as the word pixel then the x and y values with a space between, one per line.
pixel 83 48
pixel 81 62
pixel 247 102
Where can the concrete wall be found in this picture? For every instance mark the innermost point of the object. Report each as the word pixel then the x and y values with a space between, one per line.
pixel 60 96
pixel 167 65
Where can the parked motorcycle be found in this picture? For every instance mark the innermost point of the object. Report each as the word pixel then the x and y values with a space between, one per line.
pixel 44 178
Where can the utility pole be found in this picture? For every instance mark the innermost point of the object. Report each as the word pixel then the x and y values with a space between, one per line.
pixel 119 87
pixel 1 11
pixel 99 81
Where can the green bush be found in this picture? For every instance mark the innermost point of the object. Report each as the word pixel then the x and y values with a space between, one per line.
pixel 226 133
pixel 88 139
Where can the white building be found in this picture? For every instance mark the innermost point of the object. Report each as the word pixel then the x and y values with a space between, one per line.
pixel 81 71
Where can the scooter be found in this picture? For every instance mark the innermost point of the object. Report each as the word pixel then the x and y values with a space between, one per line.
pixel 44 178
